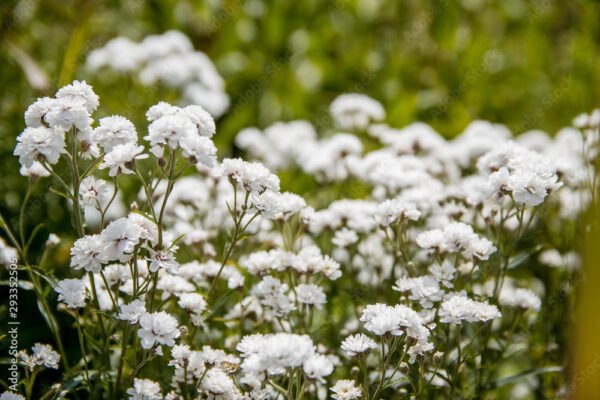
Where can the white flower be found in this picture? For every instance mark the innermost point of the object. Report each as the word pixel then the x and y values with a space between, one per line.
pixel 133 311
pixel 68 113
pixel 521 298
pixel 52 241
pixel 253 177
pixel 528 188
pixel 36 113
pixel 355 111
pixel 8 254
pixel 586 121
pixel 480 248
pixel 444 273
pixel 418 349
pixel 193 303
pixel 267 203
pixel 148 229
pixel 199 149
pixel 11 396
pixel 290 204
pixel 161 109
pixel 424 289
pixel 311 294
pixel 93 192
pixel 382 319
pixel 44 354
pixel 170 130
pixel 344 389
pixel 317 367
pixel 431 240
pixel 257 263
pixel 121 159
pixel 144 389
pixel 219 385
pixel 36 170
pixel 40 144
pixel 71 292
pixel 113 131
pixel 89 147
pixel 459 308
pixel 272 352
pixel 81 93
pixel 344 237
pixel 390 211
pixel 89 253
pixel 358 344
pixel 205 124
pixel 162 259
pixel 120 237
pixel 158 328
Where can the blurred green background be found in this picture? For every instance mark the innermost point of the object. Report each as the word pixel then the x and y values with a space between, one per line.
pixel 527 64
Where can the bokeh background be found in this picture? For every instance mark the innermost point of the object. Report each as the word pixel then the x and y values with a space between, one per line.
pixel 529 64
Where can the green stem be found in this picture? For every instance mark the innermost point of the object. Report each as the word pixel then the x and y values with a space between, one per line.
pixel 83 352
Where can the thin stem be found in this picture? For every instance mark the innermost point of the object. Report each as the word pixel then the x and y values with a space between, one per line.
pixel 83 352
pixel 22 215
pixel 124 341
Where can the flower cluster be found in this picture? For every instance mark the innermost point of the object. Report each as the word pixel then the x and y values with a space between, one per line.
pixel 417 285
pixel 169 58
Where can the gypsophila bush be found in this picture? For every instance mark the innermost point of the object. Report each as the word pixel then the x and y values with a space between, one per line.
pixel 216 284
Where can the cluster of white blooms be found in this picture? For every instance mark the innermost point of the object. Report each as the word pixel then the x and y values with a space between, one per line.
pixel 11 396
pixel 457 309
pixel 235 278
pixel 189 129
pixel 518 297
pixel 308 261
pixel 144 389
pixel 456 237
pixel 169 58
pixel 521 173
pixel 42 355
pixel 272 354
pixel 43 140
pixel 356 111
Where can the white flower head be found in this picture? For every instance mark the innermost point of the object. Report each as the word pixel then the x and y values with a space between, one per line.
pixel 121 159
pixel 40 144
pixel 133 311
pixel 358 344
pixel 144 389
pixel 94 192
pixel 158 328
pixel 71 292
pixel 81 93
pixel 311 294
pixel 345 389
pixel 113 131
pixel 89 253
pixel 355 111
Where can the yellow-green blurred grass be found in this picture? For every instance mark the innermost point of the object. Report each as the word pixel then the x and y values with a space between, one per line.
pixel 585 371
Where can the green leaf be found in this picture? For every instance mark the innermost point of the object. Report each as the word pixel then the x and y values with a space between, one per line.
pixel 515 378
pixel 43 274
pixel 220 303
pixel 23 284
pixel 395 382
pixel 518 260
pixel 58 192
